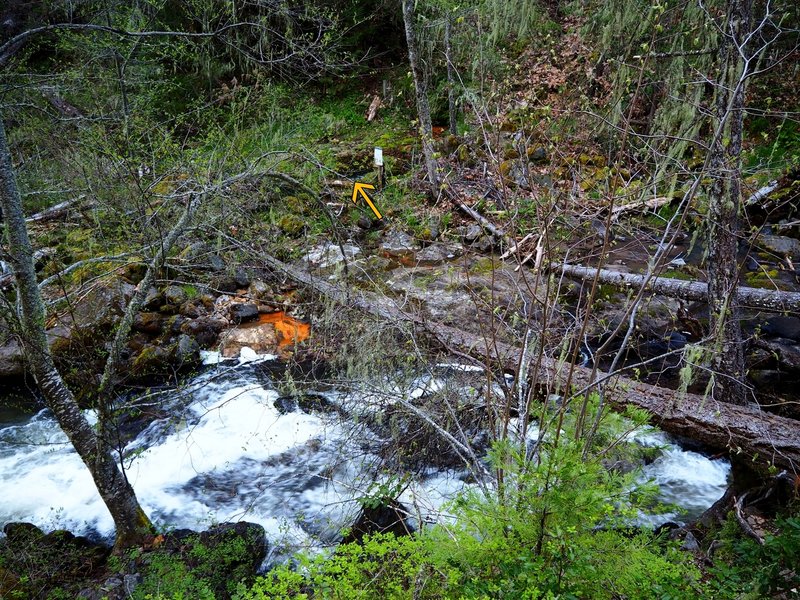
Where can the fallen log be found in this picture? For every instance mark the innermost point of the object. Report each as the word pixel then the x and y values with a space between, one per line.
pixel 697 291
pixel 55 212
pixel 765 439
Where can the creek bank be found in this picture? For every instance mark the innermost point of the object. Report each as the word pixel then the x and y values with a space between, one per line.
pixel 176 323
pixel 35 562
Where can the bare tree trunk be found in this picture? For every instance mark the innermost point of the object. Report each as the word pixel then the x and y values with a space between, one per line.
pixel 423 108
pixel 727 355
pixel 451 76
pixel 130 520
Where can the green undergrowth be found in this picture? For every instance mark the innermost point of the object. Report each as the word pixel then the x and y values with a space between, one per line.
pixel 557 526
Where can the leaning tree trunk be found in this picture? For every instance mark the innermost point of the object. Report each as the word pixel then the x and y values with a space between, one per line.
pixel 423 108
pixel 130 520
pixel 727 355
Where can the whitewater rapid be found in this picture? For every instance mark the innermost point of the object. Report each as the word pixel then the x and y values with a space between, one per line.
pixel 228 452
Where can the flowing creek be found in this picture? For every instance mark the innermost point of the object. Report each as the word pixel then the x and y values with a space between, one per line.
pixel 232 450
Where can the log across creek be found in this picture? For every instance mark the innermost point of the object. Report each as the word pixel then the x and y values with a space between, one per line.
pixel 764 440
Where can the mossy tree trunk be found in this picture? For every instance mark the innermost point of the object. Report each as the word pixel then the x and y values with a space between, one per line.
pixel 727 354
pixel 130 519
pixel 423 106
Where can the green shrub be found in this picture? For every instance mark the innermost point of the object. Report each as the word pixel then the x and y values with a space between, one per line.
pixel 745 569
pixel 555 528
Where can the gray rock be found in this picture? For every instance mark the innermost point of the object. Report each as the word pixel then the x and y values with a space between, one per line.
pixel 187 351
pixel 42 255
pixel 102 305
pixel 437 254
pixel 484 243
pixel 224 284
pixel 111 584
pixel 258 290
pixel 11 362
pixel 175 295
pixel 242 278
pixel 130 582
pixel 398 244
pixel 472 233
pixel 241 313
pixel 780 245
pixel 216 263
pixel 690 543
pixel 538 155
pixel 328 254
pixel 153 299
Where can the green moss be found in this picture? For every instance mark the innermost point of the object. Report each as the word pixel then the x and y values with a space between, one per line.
pixel 291 225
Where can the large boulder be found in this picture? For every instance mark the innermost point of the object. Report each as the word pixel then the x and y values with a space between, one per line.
pixel 385 516
pixel 260 338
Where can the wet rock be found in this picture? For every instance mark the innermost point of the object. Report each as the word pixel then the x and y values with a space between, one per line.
pixel 187 351
pixel 398 244
pixel 309 403
pixel 765 378
pixel 285 405
pixel 389 516
pixel 328 254
pixel 148 322
pixel 241 312
pixel 780 326
pixel 204 330
pixel 260 338
pixel 175 295
pixel 151 359
pixel 780 245
pixel 192 309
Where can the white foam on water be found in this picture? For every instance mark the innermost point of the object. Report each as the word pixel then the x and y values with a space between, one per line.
pixel 227 453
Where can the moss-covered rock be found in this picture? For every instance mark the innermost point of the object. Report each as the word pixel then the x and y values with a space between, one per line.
pixel 291 225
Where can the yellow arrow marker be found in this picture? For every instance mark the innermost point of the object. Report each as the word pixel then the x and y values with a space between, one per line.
pixel 361 188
